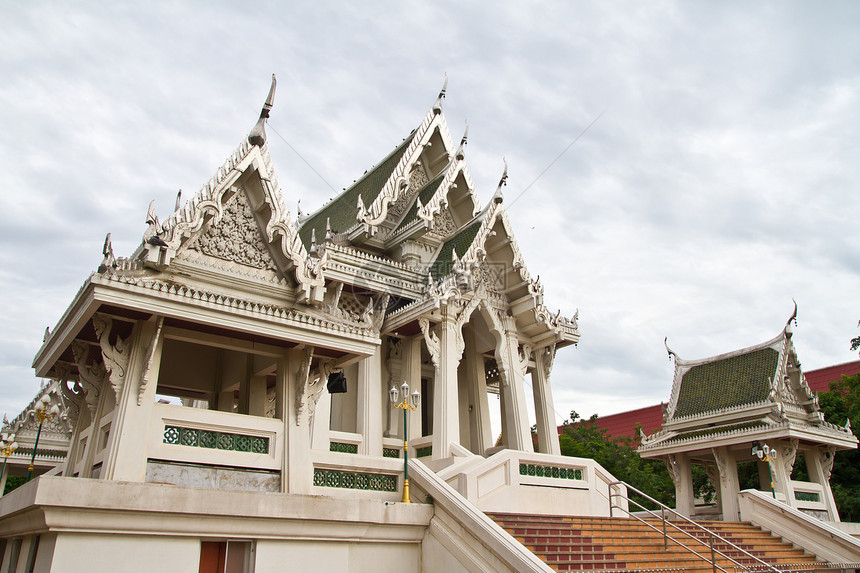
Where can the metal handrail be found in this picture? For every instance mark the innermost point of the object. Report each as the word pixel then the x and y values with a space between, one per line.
pixel 666 538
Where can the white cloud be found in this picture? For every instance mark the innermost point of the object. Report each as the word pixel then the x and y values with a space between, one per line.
pixel 717 186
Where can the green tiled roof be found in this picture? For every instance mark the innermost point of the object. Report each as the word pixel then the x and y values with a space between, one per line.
pixel 461 241
pixel 341 212
pixel 727 383
pixel 720 430
pixel 425 195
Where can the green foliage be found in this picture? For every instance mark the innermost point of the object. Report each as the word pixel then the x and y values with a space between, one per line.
pixel 842 403
pixel 585 439
pixel 14 482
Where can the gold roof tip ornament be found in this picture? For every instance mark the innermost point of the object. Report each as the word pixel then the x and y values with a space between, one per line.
pixel 257 136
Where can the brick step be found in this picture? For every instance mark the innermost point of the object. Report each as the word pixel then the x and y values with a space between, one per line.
pixel 607 544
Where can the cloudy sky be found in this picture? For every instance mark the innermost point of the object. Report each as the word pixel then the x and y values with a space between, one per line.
pixel 719 183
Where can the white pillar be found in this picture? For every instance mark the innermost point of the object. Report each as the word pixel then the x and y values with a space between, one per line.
pixel 411 372
pixel 819 463
pixel 475 379
pixel 297 469
pixel 126 455
pixel 781 468
pixel 547 430
pixel 729 485
pixel 369 404
pixel 682 476
pixel 321 421
pixel 516 420
pixel 446 413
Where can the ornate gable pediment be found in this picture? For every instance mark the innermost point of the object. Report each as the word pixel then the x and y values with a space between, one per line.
pixel 236 237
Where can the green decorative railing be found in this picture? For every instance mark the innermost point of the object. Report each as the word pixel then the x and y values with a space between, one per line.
pixel 390 453
pixel 806 496
pixel 424 452
pixel 215 440
pixel 354 480
pixel 550 471
pixel 343 447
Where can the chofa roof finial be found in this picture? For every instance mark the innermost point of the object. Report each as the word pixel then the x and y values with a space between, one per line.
pixel 257 136
pixel 792 318
pixel 669 350
pixel 437 106
pixel 463 141
pixel 497 196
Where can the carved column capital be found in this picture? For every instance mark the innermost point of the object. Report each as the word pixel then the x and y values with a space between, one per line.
pixel 431 339
pixel 302 376
pixel 116 355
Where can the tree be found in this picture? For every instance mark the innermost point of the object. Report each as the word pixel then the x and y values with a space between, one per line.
pixel 840 404
pixel 585 439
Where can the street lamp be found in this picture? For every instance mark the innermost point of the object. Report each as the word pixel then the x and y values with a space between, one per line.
pixel 766 454
pixel 407 402
pixel 8 445
pixel 44 414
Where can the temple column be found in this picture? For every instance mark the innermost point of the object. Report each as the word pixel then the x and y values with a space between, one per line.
pixel 321 420
pixel 681 472
pixel 547 430
pixel 819 464
pixel 782 467
pixel 516 421
pixel 126 455
pixel 369 404
pixel 478 408
pixel 296 469
pixel 257 396
pixel 446 413
pixel 411 374
pixel 729 485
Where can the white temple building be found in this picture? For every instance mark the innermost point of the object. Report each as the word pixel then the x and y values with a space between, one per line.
pixel 247 316
pixel 726 409
pixel 229 386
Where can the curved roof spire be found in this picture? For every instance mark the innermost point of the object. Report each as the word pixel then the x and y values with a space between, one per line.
pixel 257 136
pixel 461 150
pixel 669 350
pixel 437 106
pixel 497 196
pixel 792 318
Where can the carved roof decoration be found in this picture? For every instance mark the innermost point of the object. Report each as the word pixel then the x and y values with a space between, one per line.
pixel 405 237
pixel 467 261
pixel 55 433
pixel 364 207
pixel 249 171
pixel 744 395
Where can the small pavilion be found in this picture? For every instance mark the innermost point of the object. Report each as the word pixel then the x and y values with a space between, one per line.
pixel 724 406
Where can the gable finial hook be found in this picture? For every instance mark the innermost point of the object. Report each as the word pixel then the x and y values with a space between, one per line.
pixel 669 350
pixel 792 318
pixel 497 196
pixel 257 136
pixel 463 141
pixel 437 105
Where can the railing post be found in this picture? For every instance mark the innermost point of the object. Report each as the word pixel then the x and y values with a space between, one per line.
pixel 713 560
pixel 610 501
pixel 663 517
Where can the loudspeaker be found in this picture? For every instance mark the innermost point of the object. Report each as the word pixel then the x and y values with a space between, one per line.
pixel 336 383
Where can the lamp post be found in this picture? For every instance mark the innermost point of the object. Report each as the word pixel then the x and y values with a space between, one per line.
pixel 766 454
pixel 407 402
pixel 44 414
pixel 8 445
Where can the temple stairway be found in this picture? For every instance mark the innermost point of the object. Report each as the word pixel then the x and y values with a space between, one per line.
pixel 622 544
